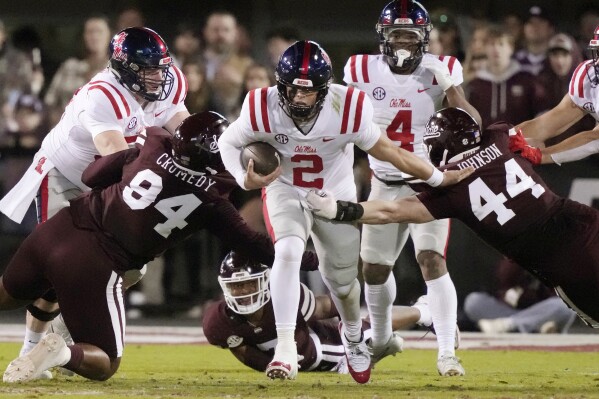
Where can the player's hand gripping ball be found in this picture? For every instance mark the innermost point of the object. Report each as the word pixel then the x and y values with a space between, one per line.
pixel 266 157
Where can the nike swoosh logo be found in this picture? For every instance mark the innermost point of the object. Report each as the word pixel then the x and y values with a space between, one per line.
pixel 158 114
pixel 325 139
pixel 421 90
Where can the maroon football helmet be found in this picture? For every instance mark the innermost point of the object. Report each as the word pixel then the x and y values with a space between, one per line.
pixel 244 283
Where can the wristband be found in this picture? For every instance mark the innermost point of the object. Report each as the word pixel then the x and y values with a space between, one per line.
pixel 436 178
pixel 348 211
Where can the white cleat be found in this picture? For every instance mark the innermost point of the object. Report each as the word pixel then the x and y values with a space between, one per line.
pixel 51 351
pixel 284 364
pixel 358 357
pixel 391 348
pixel 59 327
pixel 450 365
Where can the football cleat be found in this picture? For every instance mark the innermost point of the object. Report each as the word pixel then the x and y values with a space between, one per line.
pixel 284 364
pixel 49 352
pixel 392 347
pixel 59 327
pixel 450 365
pixel 358 357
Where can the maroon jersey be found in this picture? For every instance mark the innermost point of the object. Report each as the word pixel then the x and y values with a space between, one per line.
pixel 317 341
pixel 141 193
pixel 508 205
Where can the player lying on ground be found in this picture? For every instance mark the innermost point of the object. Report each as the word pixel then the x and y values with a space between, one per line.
pixel 505 202
pixel 244 322
pixel 144 201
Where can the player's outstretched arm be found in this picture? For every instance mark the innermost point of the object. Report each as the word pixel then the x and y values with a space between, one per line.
pixel 552 122
pixel 406 210
pixel 573 148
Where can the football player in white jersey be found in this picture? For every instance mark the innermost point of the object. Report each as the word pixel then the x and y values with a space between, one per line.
pixel 582 98
pixel 140 87
pixel 313 124
pixel 407 85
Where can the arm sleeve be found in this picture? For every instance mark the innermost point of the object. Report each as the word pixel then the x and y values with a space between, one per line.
pixel 108 170
pixel 576 153
pixel 227 224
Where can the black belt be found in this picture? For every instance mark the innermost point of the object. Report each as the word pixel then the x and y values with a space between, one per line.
pixel 391 182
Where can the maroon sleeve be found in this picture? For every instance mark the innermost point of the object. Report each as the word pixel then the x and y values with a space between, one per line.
pixel 309 261
pixel 108 169
pixel 228 225
pixel 215 326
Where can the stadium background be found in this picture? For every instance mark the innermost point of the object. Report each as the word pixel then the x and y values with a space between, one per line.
pixel 343 28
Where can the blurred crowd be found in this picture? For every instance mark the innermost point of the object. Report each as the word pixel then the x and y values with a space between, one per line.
pixel 515 67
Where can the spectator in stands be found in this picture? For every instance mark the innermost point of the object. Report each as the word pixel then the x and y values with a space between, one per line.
pixel 538 29
pixel 198 92
pixel 17 149
pixel 449 33
pixel 129 17
pixel 519 302
pixel 434 42
pixel 503 91
pixel 563 56
pixel 512 23
pixel 186 46
pixel 76 71
pixel 476 57
pixel 19 73
pixel 225 67
pixel 277 41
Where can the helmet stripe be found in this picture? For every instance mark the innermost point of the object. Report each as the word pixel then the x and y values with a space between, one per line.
pixel 156 37
pixel 264 108
pixel 403 10
pixel 346 107
pixel 305 60
pixel 358 116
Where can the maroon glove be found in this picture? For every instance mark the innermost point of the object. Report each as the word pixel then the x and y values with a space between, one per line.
pixel 518 145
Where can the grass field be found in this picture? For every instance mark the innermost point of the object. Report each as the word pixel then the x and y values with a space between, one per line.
pixel 201 371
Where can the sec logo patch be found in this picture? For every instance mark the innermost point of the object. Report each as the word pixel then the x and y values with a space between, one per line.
pixel 234 341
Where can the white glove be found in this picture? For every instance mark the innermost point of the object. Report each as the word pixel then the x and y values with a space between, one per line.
pixel 322 204
pixel 440 70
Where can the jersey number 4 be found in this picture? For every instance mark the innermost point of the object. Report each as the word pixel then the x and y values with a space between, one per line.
pixel 142 192
pixel 400 129
pixel 484 201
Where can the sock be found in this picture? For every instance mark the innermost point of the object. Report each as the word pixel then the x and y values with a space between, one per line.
pixel 379 299
pixel 31 339
pixel 75 359
pixel 285 287
pixel 348 306
pixel 443 305
pixel 425 314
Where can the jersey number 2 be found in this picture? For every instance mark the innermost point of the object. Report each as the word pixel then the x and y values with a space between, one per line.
pixel 484 201
pixel 142 192
pixel 315 167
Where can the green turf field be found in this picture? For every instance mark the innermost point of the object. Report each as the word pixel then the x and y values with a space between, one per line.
pixel 200 371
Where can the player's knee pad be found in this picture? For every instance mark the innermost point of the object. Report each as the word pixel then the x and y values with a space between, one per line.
pixel 343 291
pixel 132 277
pixel 42 315
pixel 377 257
pixel 289 249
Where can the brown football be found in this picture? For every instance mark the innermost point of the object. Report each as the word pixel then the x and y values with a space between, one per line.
pixel 266 157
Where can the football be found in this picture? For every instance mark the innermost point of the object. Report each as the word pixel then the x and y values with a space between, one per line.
pixel 266 157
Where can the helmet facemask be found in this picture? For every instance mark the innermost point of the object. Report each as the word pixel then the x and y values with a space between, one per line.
pixel 300 112
pixel 142 80
pixel 403 47
pixel 246 293
pixel 593 50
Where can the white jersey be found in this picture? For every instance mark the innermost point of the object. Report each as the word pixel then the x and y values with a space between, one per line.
pixel 582 91
pixel 408 101
pixel 321 159
pixel 104 104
